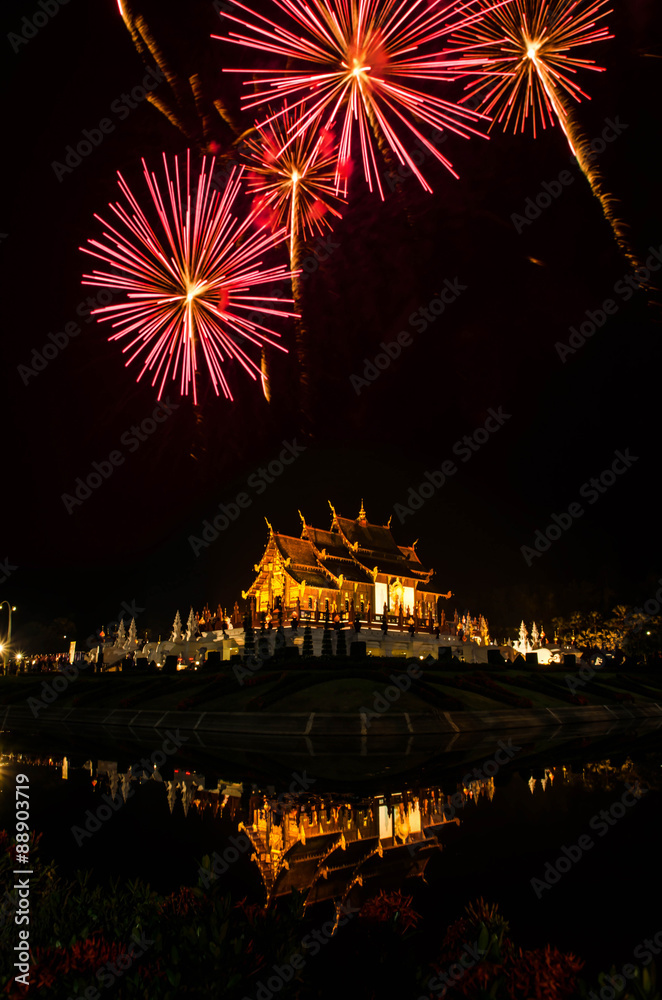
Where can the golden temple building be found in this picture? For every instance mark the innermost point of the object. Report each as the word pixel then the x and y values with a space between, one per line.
pixel 353 566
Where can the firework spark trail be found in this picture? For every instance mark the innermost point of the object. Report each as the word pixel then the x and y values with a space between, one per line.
pixel 585 157
pixel 293 185
pixel 187 281
pixel 370 59
pixel 184 103
pixel 526 48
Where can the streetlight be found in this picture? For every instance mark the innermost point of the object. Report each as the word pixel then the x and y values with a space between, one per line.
pixel 5 646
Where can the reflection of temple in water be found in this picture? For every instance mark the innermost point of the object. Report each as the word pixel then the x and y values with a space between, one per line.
pixel 330 845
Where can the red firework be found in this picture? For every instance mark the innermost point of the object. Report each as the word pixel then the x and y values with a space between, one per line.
pixel 369 62
pixel 186 281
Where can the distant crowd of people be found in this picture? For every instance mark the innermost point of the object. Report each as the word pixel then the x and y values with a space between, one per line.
pixel 40 664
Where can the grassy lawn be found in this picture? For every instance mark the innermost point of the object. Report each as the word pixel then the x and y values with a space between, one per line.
pixel 613 685
pixel 471 700
pixel 655 692
pixel 344 696
pixel 318 689
pixel 539 699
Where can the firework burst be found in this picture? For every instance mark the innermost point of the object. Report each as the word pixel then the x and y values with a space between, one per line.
pixel 293 182
pixel 368 63
pixel 293 186
pixel 527 46
pixel 528 49
pixel 187 281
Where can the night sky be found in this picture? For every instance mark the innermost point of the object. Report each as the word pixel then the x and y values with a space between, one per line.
pixel 494 348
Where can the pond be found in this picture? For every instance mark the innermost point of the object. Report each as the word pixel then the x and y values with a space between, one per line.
pixel 560 830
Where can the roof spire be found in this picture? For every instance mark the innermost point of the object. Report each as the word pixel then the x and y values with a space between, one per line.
pixel 362 519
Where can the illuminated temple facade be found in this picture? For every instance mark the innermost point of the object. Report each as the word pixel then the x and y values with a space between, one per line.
pixel 354 566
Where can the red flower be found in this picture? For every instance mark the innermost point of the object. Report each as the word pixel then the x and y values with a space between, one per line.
pixel 540 974
pixel 391 906
pixel 180 903
pixel 84 957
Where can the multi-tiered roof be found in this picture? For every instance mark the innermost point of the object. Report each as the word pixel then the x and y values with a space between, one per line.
pixel 352 551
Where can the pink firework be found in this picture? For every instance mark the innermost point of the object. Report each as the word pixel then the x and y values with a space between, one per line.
pixel 370 63
pixel 186 279
pixel 293 182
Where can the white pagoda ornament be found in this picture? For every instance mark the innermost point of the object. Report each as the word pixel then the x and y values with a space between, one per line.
pixel 132 641
pixel 121 636
pixel 176 629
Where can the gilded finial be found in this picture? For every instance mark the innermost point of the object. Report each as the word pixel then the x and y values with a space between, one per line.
pixel 271 530
pixel 362 514
pixel 333 509
pixel 389 521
